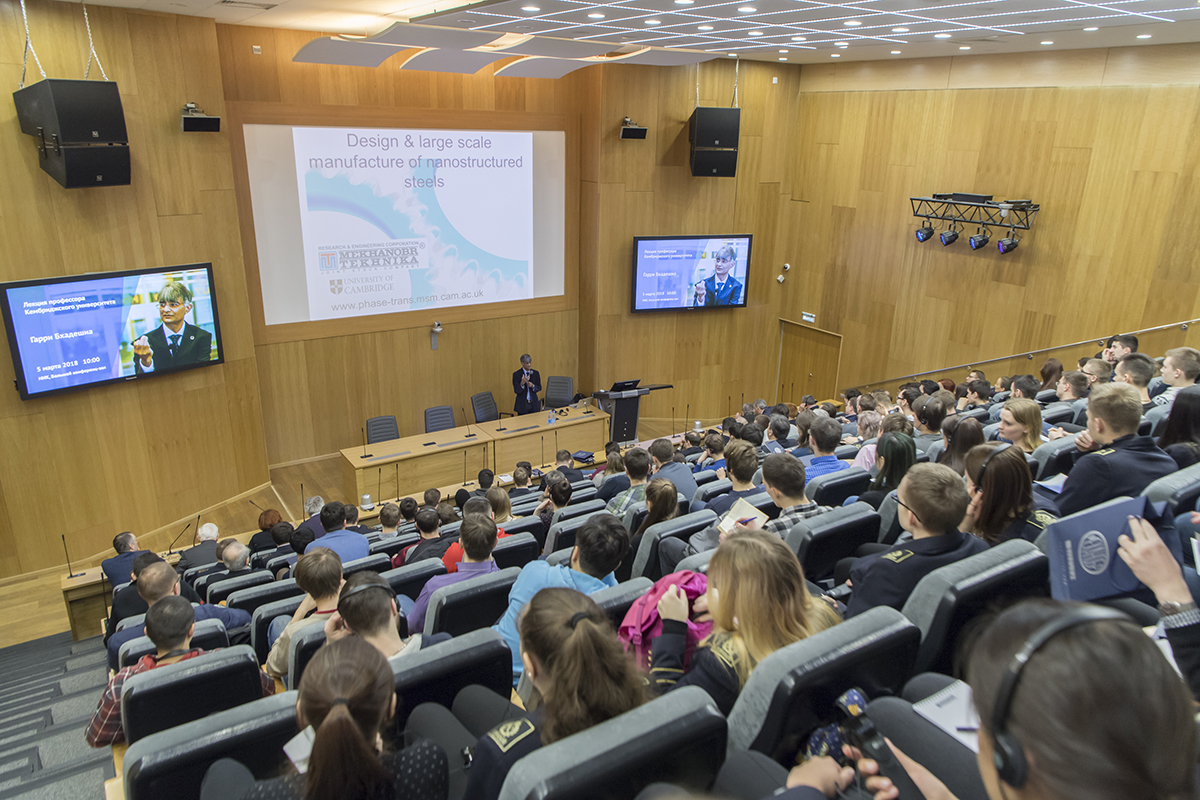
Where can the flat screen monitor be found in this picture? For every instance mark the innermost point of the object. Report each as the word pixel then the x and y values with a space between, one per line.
pixel 85 330
pixel 674 273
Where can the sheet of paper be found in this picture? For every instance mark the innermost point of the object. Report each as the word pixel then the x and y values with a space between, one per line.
pixel 742 513
pixel 952 710
pixel 1054 484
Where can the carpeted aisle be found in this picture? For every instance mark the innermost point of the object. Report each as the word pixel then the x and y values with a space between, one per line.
pixel 48 690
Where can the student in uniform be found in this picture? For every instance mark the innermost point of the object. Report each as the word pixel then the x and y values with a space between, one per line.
pixel 577 665
pixel 1003 503
pixel 895 455
pixel 759 602
pixel 932 501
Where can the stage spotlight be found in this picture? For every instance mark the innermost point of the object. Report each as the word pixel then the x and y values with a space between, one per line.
pixel 925 232
pixel 979 240
pixel 1008 244
pixel 949 237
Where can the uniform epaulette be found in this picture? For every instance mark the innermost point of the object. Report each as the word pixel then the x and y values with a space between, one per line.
pixel 507 734
pixel 1043 518
pixel 723 649
pixel 896 556
pixel 1106 451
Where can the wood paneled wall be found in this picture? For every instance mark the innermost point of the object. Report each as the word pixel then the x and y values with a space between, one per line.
pixel 134 456
pixel 318 393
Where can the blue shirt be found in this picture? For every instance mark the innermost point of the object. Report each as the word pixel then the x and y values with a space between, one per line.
pixel 823 465
pixel 713 465
pixel 466 569
pixel 534 577
pixel 230 618
pixel 347 544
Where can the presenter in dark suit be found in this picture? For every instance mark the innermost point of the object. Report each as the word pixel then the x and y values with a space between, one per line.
pixel 526 385
pixel 177 342
pixel 721 289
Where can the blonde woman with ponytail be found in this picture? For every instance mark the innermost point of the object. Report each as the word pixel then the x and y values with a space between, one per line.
pixel 759 602
pixel 346 696
pixel 582 676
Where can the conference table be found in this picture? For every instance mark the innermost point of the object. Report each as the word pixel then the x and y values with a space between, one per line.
pixel 410 465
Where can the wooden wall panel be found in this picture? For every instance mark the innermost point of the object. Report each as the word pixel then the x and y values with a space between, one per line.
pixel 135 456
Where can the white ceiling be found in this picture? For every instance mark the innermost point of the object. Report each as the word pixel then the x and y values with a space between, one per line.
pixel 810 31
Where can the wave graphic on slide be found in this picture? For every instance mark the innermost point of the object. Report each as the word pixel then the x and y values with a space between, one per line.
pixel 451 255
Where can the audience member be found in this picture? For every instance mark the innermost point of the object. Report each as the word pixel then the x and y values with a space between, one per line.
pixel 1180 369
pixel 1137 369
pixel 614 478
pixel 824 438
pixel 1113 460
pixel 1003 503
pixel 741 462
pixel 446 511
pixel 637 469
pixel 578 668
pixel 1097 370
pixel 564 462
pixel 408 509
pixel 777 432
pixel 389 519
pixel 318 573
pixel 432 497
pixel 1180 438
pixel 784 478
pixel 714 453
pixel 662 504
pixel 894 457
pixel 128 603
pixel 205 551
pixel 477 537
pixel 932 502
pixel 960 436
pixel 169 623
pixel 928 387
pixel 300 539
pixel 1021 424
pixel 979 394
pixel 1051 371
pixel 759 602
pixel 804 421
pixel 693 441
pixel 883 402
pixel 476 505
pixel 520 483
pixel 312 510
pixel 661 453
pixel 1119 347
pixel 486 478
pixel 1003 384
pixel 350 515
pixel 599 547
pixel 432 545
pixel 369 609
pixel 558 496
pixel 929 417
pixel 263 540
pixel 117 568
pixel 1071 387
pixel 976 375
pixel 892 423
pixel 235 557
pixel 500 504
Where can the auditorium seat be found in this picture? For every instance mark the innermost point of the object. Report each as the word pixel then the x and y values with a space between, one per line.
pixel 708 491
pixel 378 562
pixel 991 432
pixel 585 509
pixel 202 582
pixel 948 600
pixel 560 557
pixel 834 488
pixel 935 450
pixel 394 544
pixel 171 695
pixel 222 589
pixel 209 635
pixel 632 519
pixel 696 563
pixel 469 605
pixel 280 562
pixel 483 406
pixel 1181 489
pixel 792 691
pixel 560 391
pixel 252 597
pixel 562 534
pixel 304 645
pixel 617 600
pixel 889 519
pixel 821 541
pixel 260 622
pixel 704 476
pixel 522 525
pixel 436 674
pixel 582 492
pixel 525 506
pixel 170 764
pixel 439 418
pixel 515 551
pixel 135 620
pixel 1046 396
pixel 645 561
pixel 979 414
pixel 409 580
pixel 1055 458
pixel 119 587
pixel 763 502
pixel 191 574
pixel 382 429
pixel 678 739
pixel 1058 416
pixel 259 560
pixel 845 452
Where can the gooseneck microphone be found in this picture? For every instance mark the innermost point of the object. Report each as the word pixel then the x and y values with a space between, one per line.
pixel 468 421
pixel 70 572
pixel 365 453
pixel 687 416
pixel 256 505
pixel 465 483
pixel 176 539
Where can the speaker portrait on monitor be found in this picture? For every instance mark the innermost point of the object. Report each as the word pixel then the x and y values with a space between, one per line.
pixel 178 339
pixel 721 288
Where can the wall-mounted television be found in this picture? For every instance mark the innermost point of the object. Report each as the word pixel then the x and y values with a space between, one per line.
pixel 75 331
pixel 676 273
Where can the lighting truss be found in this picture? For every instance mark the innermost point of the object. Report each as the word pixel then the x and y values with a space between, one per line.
pixel 1018 214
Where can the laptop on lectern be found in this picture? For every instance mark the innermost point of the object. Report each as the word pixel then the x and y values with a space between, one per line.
pixel 624 386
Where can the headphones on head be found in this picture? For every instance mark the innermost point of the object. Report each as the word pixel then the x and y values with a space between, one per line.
pixel 988 458
pixel 1008 755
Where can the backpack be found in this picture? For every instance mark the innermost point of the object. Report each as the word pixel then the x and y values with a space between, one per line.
pixel 642 623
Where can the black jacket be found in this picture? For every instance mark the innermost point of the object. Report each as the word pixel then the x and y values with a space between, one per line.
pixel 888 578
pixel 527 397
pixel 1185 646
pixel 201 555
pixel 261 541
pixel 430 548
pixel 712 668
pixel 1029 526
pixel 497 751
pixel 1123 469
pixel 128 603
pixel 194 348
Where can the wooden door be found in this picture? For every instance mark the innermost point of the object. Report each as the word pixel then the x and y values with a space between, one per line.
pixel 809 359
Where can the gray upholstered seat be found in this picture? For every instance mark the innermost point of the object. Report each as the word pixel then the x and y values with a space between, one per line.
pixel 208 635
pixel 833 489
pixel 584 509
pixel 696 563
pixel 469 605
pixel 935 450
pixel 170 764
pixel 791 692
pixel 560 557
pixel 483 406
pixel 439 418
pixel 946 601
pixel 616 600
pixel 515 551
pixel 562 534
pixel 1055 457
pixel 377 562
pixel 583 492
pixel 560 390
pixel 410 579
pixel 704 476
pixel 708 491
pixel 260 623
pixel 252 597
pixel 522 525
pixel 679 739
pixel 392 546
pixel 219 591
pixel 304 645
pixel 173 694
pixel 382 429
pixel 645 561
pixel 1180 489
pixel 889 519
pixel 436 674
pixel 821 541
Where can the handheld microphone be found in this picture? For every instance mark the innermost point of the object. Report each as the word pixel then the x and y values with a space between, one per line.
pixel 70 573
pixel 469 434
pixel 181 533
pixel 365 453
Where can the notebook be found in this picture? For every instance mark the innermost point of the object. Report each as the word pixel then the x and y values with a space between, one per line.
pixel 742 513
pixel 951 710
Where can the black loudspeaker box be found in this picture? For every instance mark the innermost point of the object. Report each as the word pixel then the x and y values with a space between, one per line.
pixel 79 127
pixel 714 163
pixel 714 127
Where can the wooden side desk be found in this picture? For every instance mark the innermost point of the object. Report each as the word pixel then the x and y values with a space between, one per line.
pixel 411 465
pixel 87 598
pixel 531 438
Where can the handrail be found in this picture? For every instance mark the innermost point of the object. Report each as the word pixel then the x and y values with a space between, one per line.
pixel 1026 353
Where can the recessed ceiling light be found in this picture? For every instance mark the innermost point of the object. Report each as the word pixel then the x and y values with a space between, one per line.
pixel 941 36
pixel 530 8
pixel 799 38
pixel 1089 30
pixel 964 47
pixel 595 16
pixel 895 52
pixel 747 9
pixel 733 55
pixel 783 51
pixel 840 44
pixel 684 2
pixel 843 46
pixel 783 59
pixel 756 33
pixel 1143 36
pixel 899 30
pixel 852 23
pixel 1047 42
pixel 704 28
pixel 835 55
pixel 652 21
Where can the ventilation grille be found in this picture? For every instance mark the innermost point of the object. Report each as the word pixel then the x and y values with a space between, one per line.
pixel 247 4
